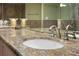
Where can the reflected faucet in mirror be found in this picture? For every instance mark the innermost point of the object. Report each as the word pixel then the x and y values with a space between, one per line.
pixel 67 32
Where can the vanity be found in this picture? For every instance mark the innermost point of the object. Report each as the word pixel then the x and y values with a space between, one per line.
pixel 11 44
pixel 5 49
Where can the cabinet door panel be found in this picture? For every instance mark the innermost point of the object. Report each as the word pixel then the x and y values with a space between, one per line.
pixel 10 11
pixel 1 50
pixel 0 11
pixel 14 10
pixel 7 51
pixel 20 9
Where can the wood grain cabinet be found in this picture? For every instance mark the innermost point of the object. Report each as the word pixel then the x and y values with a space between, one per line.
pixel 5 50
pixel 12 10
pixel 1 50
pixel 0 11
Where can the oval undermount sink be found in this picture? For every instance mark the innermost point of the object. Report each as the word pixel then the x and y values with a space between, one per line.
pixel 43 44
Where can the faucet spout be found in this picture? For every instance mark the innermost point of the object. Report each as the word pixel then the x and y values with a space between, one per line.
pixel 55 31
pixel 67 32
pixel 52 27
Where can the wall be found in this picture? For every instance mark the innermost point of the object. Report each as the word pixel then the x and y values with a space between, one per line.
pixel 76 7
pixel 51 13
pixel 33 13
pixel 66 14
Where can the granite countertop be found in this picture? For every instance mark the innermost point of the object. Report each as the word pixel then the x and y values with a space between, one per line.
pixel 15 38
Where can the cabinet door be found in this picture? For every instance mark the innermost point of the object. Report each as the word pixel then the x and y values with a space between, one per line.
pixel 0 10
pixel 1 50
pixel 9 11
pixel 7 51
pixel 14 10
pixel 20 9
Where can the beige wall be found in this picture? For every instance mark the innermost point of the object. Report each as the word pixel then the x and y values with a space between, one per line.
pixel 51 13
pixel 33 11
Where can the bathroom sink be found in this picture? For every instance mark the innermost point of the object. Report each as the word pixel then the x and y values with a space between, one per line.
pixel 43 44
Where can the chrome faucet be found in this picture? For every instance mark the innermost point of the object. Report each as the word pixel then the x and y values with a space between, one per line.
pixel 54 31
pixel 66 32
pixel 68 26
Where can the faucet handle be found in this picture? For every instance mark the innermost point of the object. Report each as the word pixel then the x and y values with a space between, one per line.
pixel 52 27
pixel 67 27
pixel 74 35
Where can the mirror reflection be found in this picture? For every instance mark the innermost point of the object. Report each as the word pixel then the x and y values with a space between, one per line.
pixel 40 16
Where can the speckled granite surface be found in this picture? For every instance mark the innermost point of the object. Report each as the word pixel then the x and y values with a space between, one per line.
pixel 15 38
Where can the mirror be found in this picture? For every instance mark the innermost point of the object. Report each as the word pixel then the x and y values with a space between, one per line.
pixel 42 15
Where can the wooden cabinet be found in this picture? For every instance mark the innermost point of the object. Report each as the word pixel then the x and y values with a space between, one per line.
pixel 12 10
pixel 0 11
pixel 5 50
pixel 1 49
pixel 20 9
